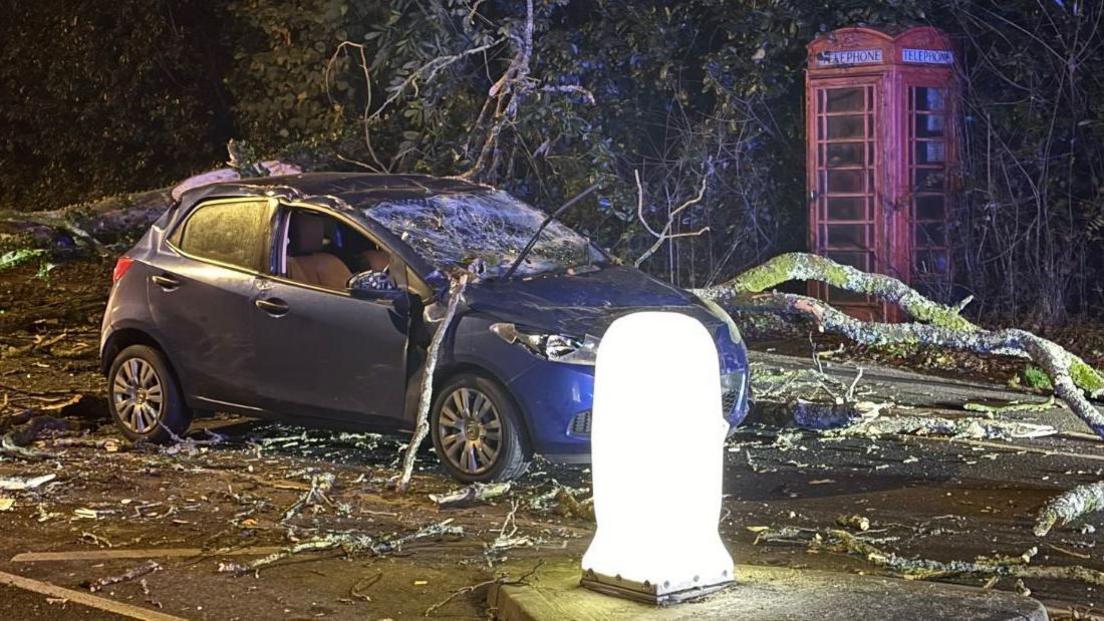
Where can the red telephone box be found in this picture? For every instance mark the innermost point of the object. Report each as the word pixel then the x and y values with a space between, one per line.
pixel 880 110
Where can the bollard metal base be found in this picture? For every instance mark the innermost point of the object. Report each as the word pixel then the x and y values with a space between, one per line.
pixel 660 595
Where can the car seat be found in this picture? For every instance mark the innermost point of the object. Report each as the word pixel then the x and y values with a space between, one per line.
pixel 307 260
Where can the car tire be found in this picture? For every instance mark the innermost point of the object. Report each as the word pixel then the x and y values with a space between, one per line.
pixel 478 402
pixel 144 397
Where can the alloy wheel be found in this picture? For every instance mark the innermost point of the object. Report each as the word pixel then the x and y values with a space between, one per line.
pixel 138 395
pixel 470 430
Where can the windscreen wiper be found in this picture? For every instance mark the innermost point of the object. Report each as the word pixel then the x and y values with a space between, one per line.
pixel 540 229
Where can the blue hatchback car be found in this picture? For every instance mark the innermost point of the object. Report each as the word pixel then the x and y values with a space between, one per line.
pixel 311 299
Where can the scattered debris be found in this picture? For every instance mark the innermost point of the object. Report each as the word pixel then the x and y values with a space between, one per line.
pixel 389 544
pixel 351 543
pixel 1021 588
pixel 110 445
pixel 17 484
pixel 926 569
pixel 507 538
pixel 55 593
pixel 321 485
pixel 858 522
pixel 818 416
pixel 502 580
pixel 957 428
pixel 95 539
pixel 470 495
pixel 132 574
pixel 138 553
pixel 6 503
pixel 570 506
pixel 357 590
pixel 1068 506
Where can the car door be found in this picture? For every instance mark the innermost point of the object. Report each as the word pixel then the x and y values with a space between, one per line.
pixel 326 354
pixel 202 295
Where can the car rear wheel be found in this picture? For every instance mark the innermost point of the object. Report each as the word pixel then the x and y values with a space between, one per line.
pixel 145 399
pixel 476 429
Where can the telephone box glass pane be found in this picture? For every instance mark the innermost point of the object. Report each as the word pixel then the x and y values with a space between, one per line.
pixel 931 152
pixel 847 235
pixel 849 208
pixel 929 125
pixel 842 295
pixel 928 98
pixel 929 179
pixel 857 260
pixel 846 126
pixel 929 207
pixel 845 99
pixel 931 234
pixel 932 262
pixel 845 154
pixel 845 181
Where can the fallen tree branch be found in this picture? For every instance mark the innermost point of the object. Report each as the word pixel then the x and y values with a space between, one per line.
pixel 421 422
pixel 935 426
pixel 1014 406
pixel 132 574
pixel 17 484
pixel 1068 506
pixel 317 494
pixel 501 581
pixel 97 224
pixel 935 323
pixel 351 543
pixel 843 542
pixel 470 495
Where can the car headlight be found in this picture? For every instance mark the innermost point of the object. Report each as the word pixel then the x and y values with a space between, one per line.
pixel 552 347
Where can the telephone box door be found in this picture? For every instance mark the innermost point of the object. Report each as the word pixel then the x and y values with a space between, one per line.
pixel 845 184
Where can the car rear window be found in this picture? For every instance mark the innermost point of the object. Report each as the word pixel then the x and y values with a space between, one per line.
pixel 235 233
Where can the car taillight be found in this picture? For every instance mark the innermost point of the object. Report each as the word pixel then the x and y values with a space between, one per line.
pixel 121 267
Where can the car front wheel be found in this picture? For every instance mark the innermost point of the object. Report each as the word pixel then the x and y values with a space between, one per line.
pixel 145 398
pixel 476 429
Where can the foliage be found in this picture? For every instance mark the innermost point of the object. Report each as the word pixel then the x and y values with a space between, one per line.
pixel 1034 377
pixel 684 93
pixel 19 256
pixel 1033 200
pixel 101 97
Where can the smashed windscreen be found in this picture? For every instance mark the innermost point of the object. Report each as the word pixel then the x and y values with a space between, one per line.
pixel 488 230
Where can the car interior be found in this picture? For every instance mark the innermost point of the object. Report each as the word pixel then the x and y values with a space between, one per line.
pixel 324 252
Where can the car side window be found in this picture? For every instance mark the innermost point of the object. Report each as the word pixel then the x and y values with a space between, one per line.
pixel 322 251
pixel 235 233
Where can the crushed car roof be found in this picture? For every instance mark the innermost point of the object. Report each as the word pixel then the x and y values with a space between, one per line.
pixel 355 189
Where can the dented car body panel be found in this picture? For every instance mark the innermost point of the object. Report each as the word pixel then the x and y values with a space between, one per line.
pixel 338 360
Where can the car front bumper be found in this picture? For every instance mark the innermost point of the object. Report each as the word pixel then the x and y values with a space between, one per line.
pixel 556 400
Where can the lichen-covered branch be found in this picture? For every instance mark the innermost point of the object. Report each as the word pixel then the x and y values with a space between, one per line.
pixel 421 423
pixel 1068 506
pixel 805 266
pixel 935 324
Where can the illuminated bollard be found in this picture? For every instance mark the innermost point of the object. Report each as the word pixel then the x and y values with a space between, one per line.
pixel 657 443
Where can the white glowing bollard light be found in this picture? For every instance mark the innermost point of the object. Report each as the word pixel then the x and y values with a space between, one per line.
pixel 657 444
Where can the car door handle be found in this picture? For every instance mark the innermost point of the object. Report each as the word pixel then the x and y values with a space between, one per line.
pixel 272 306
pixel 166 282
